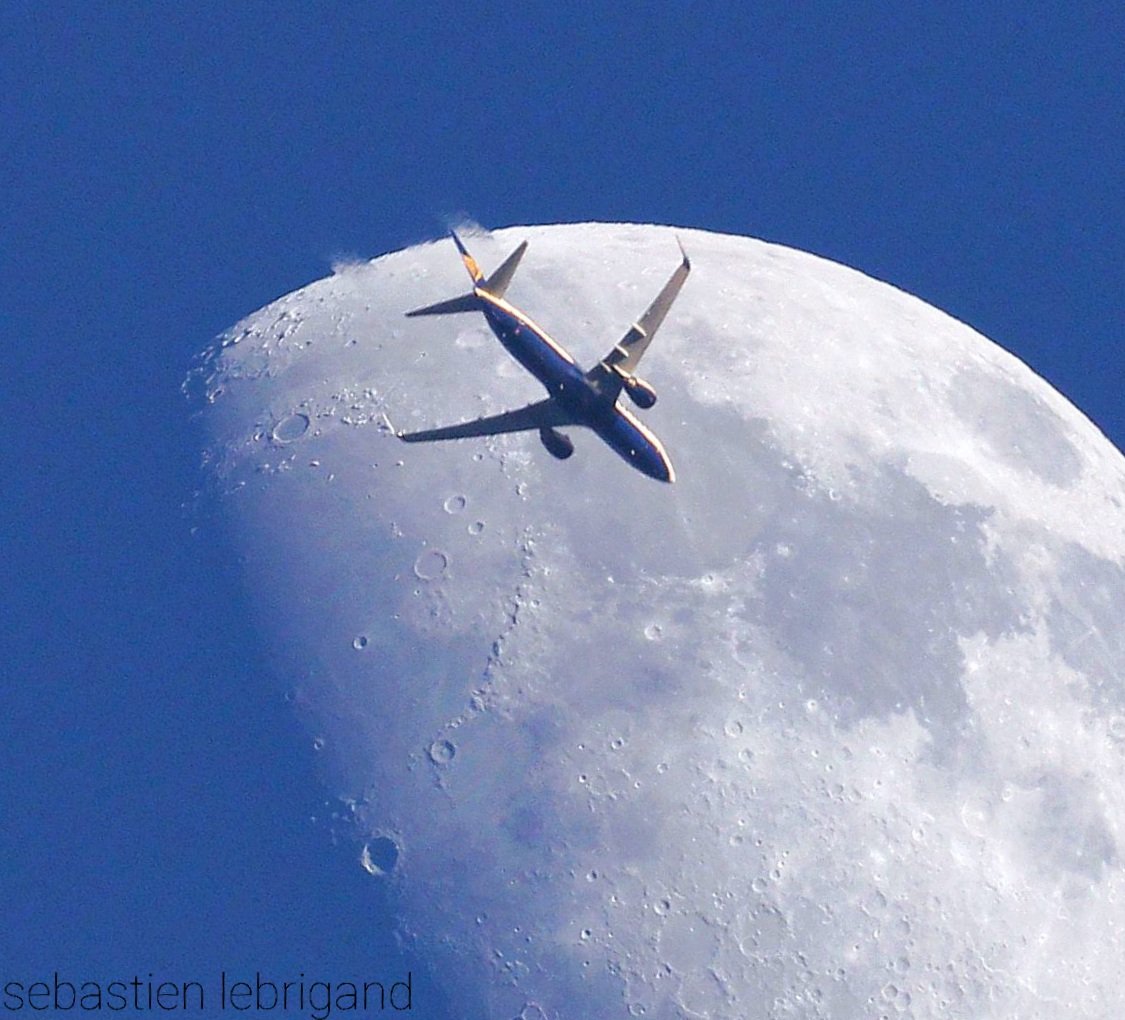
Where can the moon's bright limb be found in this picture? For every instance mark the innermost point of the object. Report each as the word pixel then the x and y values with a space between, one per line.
pixel 833 727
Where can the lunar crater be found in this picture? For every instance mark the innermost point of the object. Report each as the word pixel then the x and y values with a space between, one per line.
pixel 835 720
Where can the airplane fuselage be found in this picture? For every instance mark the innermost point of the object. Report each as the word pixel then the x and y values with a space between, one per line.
pixel 574 397
pixel 567 383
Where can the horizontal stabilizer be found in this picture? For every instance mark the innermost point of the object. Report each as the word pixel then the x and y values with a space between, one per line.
pixel 498 282
pixel 464 303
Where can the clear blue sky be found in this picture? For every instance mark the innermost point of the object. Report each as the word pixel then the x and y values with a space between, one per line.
pixel 167 168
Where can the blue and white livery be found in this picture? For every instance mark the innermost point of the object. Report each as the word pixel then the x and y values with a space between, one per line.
pixel 574 397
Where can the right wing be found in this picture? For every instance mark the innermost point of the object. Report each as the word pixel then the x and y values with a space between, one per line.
pixel 544 414
pixel 627 353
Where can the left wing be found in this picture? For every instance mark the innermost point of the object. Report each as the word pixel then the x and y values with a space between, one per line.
pixel 544 414
pixel 627 353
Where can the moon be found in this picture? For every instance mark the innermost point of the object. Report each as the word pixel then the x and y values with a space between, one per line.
pixel 834 726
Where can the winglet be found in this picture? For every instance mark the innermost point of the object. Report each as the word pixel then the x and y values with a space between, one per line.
pixel 687 261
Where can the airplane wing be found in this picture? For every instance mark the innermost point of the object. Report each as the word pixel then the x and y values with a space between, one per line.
pixel 543 414
pixel 627 353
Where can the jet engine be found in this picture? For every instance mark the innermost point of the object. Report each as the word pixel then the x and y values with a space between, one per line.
pixel 557 444
pixel 640 392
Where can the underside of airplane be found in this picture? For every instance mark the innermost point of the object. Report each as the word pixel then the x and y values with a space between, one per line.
pixel 575 397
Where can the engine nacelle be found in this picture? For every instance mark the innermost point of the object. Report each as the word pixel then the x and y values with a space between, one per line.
pixel 640 392
pixel 557 444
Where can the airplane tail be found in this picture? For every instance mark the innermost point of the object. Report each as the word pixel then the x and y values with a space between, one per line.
pixel 464 303
pixel 495 285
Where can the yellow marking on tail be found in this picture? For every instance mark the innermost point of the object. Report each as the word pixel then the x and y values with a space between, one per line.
pixel 471 266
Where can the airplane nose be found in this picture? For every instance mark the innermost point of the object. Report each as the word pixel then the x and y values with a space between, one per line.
pixel 657 466
pixel 631 440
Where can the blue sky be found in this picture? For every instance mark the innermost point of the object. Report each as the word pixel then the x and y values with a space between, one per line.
pixel 168 168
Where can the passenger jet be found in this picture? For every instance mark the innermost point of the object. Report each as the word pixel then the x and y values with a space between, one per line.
pixel 574 397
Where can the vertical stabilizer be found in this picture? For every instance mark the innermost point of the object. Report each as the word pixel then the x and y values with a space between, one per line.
pixel 495 285
pixel 470 262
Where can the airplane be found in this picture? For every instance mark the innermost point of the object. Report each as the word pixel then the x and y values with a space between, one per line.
pixel 574 397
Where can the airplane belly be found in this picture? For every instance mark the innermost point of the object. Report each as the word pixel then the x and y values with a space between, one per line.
pixel 553 368
pixel 567 383
pixel 635 444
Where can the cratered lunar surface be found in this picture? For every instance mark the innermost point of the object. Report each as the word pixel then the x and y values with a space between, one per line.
pixel 832 727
